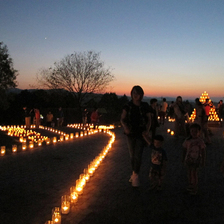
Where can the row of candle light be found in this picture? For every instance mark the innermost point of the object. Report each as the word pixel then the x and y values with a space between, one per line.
pixel 75 191
pixel 36 139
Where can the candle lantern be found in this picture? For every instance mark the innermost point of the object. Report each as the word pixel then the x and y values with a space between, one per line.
pixel 54 139
pixel 61 138
pixel 168 130
pixel 31 144
pixel 39 142
pixel 14 148
pixel 24 146
pixel 71 135
pixel 67 137
pixel 49 222
pixel 79 187
pixel 172 132
pixel 56 215
pixel 73 194
pixel 65 204
pixel 77 134
pixel 2 150
pixel 82 180
pixel 91 170
pixel 48 141
pixel 86 175
pixel 81 134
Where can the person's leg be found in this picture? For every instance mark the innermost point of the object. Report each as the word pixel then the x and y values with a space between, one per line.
pixel 27 121
pixel 135 146
pixel 162 117
pixel 194 180
pixel 177 127
pixel 131 147
pixel 206 134
pixel 152 178
pixel 139 146
pixel 189 177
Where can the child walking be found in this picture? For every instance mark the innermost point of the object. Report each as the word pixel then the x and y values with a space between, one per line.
pixel 193 156
pixel 158 163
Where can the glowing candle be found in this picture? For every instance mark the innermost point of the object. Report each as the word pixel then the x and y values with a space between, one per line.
pixel 79 187
pixel 48 141
pixel 31 144
pixel 14 148
pixel 91 170
pixel 54 139
pixel 24 146
pixel 172 132
pixel 73 194
pixel 61 138
pixel 56 215
pixel 39 142
pixel 168 130
pixel 71 135
pixel 77 134
pixel 86 175
pixel 2 150
pixel 65 204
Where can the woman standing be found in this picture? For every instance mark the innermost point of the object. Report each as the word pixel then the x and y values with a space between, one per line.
pixel 136 121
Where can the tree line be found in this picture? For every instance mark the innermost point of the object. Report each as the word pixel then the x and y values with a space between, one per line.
pixel 109 104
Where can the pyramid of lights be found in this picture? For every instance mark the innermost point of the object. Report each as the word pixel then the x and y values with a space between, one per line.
pixel 213 116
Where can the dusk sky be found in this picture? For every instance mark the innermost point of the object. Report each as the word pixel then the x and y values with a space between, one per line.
pixel 169 47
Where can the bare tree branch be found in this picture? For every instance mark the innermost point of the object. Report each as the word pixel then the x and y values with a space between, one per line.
pixel 80 73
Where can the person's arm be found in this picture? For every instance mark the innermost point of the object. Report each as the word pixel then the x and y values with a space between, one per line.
pixel 124 123
pixel 149 123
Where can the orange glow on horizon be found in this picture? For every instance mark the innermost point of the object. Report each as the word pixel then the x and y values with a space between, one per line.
pixel 187 93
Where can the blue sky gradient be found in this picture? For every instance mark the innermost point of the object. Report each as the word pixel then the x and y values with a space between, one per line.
pixel 170 48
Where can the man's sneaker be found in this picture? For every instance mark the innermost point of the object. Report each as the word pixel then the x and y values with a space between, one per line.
pixel 135 180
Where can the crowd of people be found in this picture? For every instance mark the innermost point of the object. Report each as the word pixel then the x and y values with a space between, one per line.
pixel 140 121
pixel 34 117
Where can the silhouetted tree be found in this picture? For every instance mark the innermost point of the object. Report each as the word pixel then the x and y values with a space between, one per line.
pixel 7 75
pixel 79 73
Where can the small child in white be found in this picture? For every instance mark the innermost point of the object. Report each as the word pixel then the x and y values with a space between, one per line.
pixel 158 163
pixel 193 156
